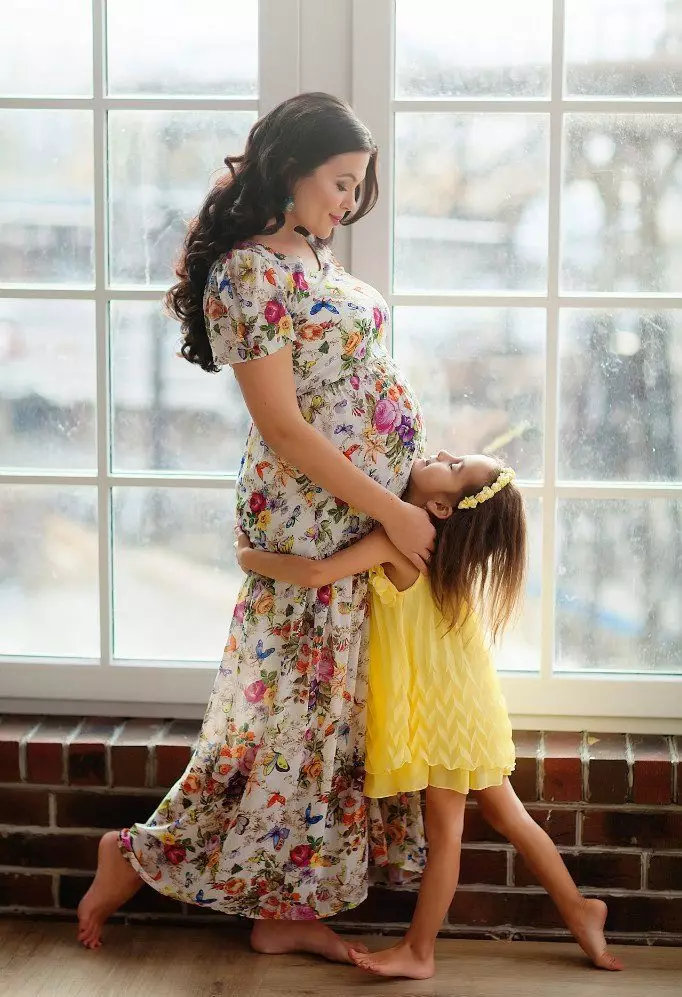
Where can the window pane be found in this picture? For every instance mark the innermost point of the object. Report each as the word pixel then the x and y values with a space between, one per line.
pixel 47 384
pixel 623 48
pixel 519 649
pixel 49 602
pixel 162 163
pixel 35 37
pixel 479 373
pixel 206 47
pixel 46 204
pixel 448 49
pixel 175 577
pixel 618 593
pixel 169 414
pixel 621 396
pixel 471 201
pixel 622 201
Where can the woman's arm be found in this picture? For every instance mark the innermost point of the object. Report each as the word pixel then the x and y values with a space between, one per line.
pixel 373 549
pixel 269 391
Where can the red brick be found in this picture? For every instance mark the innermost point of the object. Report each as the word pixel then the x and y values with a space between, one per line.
pixel 559 824
pixel 24 806
pixel 629 829
pixel 652 769
pixel 49 851
pixel 608 778
pixel 644 914
pixel 607 870
pixel 87 760
pixel 483 865
pixel 130 753
pixel 103 810
pixel 383 906
pixel 524 778
pixel 13 730
pixel 491 910
pixel 45 749
pixel 22 890
pixel 665 872
pixel 563 768
pixel 174 750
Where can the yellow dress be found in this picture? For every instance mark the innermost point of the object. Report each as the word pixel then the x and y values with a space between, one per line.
pixel 436 715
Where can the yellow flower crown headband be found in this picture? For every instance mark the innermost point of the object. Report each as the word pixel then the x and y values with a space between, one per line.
pixel 506 475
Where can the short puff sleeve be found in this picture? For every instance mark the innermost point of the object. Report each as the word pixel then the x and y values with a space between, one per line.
pixel 246 307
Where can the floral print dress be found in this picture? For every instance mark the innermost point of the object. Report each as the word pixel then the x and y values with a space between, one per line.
pixel 269 819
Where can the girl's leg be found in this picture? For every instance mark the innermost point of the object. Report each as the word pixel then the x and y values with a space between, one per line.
pixel 413 956
pixel 503 810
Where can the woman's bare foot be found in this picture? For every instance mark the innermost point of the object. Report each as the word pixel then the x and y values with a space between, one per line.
pixel 398 960
pixel 280 937
pixel 115 882
pixel 588 929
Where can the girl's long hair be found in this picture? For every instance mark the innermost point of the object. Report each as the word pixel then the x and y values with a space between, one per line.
pixel 480 561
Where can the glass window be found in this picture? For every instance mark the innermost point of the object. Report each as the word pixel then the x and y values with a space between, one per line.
pixel 489 49
pixel 168 414
pixel 203 48
pixel 623 48
pixel 175 577
pixel 35 36
pixel 466 216
pixel 46 197
pixel 49 593
pixel 47 384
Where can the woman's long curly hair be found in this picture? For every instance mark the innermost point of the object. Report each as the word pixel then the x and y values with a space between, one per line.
pixel 283 147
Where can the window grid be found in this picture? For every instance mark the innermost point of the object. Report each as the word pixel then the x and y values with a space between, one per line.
pixel 372 93
pixel 375 101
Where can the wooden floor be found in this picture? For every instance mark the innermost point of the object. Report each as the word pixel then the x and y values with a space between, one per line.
pixel 41 959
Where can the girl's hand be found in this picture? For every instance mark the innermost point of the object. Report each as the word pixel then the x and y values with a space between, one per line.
pixel 241 544
pixel 410 529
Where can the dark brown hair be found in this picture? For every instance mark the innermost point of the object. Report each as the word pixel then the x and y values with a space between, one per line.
pixel 283 147
pixel 480 560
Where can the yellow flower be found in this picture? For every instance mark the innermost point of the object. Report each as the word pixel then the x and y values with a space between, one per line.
pixel 286 326
pixel 264 519
pixel 289 281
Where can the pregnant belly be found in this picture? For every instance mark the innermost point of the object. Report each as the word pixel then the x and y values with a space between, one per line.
pixel 373 417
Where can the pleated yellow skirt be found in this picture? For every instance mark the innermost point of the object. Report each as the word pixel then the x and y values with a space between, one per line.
pixel 436 714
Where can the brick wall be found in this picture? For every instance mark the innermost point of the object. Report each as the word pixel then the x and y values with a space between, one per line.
pixel 612 803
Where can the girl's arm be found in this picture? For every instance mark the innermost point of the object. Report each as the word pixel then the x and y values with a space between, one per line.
pixel 269 391
pixel 373 549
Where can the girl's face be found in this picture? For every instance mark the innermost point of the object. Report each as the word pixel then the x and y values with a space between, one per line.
pixel 322 199
pixel 445 479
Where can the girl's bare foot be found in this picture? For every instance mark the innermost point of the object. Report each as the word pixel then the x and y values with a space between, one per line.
pixel 398 960
pixel 588 929
pixel 115 882
pixel 280 937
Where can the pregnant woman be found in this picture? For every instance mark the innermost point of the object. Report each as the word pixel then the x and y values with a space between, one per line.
pixel 269 820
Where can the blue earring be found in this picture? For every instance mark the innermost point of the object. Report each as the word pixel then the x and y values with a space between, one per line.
pixel 289 205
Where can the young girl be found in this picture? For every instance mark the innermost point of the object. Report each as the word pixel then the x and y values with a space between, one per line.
pixel 436 717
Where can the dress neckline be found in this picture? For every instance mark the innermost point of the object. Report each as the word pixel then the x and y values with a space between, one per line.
pixel 298 263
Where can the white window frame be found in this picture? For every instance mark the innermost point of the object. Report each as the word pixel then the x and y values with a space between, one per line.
pixel 345 47
pixel 628 702
pixel 130 687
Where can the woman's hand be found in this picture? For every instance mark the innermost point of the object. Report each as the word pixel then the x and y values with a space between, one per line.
pixel 410 529
pixel 241 544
